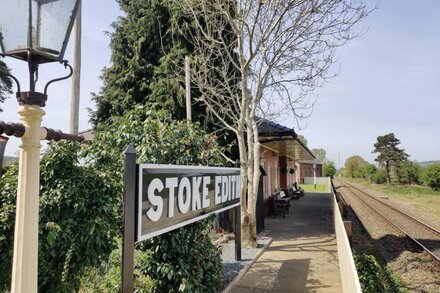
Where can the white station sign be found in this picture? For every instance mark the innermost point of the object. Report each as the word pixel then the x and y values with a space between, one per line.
pixel 173 196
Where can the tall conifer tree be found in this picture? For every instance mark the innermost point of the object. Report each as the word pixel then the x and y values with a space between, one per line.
pixel 146 62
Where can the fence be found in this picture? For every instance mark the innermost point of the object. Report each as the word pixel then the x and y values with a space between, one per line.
pixel 319 180
pixel 347 268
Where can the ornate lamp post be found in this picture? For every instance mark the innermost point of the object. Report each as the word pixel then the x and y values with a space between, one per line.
pixel 36 31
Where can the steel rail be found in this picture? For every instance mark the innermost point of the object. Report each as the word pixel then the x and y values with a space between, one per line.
pixel 414 220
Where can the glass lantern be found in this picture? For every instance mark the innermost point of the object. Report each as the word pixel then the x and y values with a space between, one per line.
pixel 37 28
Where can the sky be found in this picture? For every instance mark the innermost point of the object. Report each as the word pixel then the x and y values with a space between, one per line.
pixel 388 81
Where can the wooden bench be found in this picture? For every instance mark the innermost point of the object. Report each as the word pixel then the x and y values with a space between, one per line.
pixel 279 205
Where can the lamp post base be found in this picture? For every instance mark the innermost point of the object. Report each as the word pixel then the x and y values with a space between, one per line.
pixel 25 260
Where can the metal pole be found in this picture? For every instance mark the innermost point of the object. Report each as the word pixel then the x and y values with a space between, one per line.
pixel 3 142
pixel 188 89
pixel 237 233
pixel 314 175
pixel 25 259
pixel 129 215
pixel 74 102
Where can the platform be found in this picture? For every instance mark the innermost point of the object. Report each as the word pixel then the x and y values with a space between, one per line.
pixel 303 255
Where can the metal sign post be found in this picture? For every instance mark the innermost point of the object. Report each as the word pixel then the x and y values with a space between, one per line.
pixel 129 216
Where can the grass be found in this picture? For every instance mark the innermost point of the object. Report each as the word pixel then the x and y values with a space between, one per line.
pixel 421 197
pixel 311 187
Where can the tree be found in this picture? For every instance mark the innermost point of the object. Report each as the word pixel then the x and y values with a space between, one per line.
pixel 408 172
pixel 352 164
pixel 303 139
pixel 365 171
pixel 320 154
pixel 431 176
pixel 146 62
pixel 329 169
pixel 389 154
pixel 5 83
pixel 147 67
pixel 282 51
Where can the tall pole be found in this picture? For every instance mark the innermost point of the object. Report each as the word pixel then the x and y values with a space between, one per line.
pixel 188 89
pixel 76 77
pixel 3 142
pixel 25 259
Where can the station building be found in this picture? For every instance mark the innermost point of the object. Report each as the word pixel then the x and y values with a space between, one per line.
pixel 285 159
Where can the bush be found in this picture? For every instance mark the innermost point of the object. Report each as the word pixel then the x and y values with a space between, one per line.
pixel 81 204
pixel 379 177
pixel 329 169
pixel 408 172
pixel 431 176
pixel 369 272
pixel 107 277
pixel 365 172
pixel 374 278
pixel 183 260
pixel 68 228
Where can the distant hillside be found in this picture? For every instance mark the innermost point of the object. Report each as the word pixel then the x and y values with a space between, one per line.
pixel 429 163
pixel 7 161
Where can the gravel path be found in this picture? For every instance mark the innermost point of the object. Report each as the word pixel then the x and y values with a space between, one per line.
pixel 231 268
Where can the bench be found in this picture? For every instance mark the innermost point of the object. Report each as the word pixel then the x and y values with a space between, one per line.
pixel 279 205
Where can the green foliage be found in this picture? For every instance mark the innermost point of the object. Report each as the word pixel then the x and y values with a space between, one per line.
pixel 329 169
pixel 303 139
pixel 68 228
pixel 389 154
pixel 72 238
pixel 147 62
pixel 374 278
pixel 431 176
pixel 157 138
pixel 408 172
pixel 185 261
pixel 5 83
pixel 379 177
pixel 107 277
pixel 369 272
pixel 149 45
pixel 320 155
pixel 365 172
pixel 352 164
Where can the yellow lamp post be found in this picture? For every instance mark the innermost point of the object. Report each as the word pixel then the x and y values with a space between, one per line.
pixel 36 31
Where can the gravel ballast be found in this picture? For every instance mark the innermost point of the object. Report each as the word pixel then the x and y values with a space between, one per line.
pixel 232 268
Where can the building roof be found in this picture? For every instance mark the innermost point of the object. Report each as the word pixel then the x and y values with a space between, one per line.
pixel 269 128
pixel 283 140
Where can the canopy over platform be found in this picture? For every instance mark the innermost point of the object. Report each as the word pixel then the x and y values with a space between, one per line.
pixel 283 140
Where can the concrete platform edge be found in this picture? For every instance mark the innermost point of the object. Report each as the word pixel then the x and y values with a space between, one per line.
pixel 247 267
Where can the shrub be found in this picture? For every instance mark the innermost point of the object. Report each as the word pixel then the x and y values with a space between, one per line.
pixel 183 260
pixel 107 277
pixel 408 172
pixel 374 278
pixel 329 169
pixel 81 203
pixel 431 176
pixel 379 177
pixel 369 272
pixel 68 228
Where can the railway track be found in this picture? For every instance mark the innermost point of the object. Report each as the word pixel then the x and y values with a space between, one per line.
pixel 422 234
